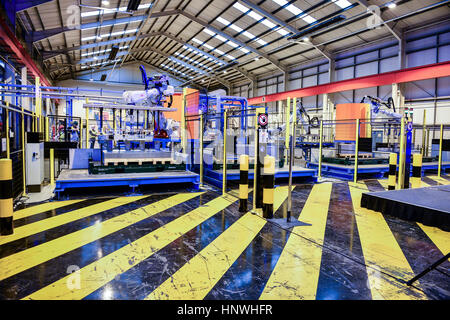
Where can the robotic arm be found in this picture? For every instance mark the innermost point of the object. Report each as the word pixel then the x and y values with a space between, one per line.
pixel 157 89
pixel 376 104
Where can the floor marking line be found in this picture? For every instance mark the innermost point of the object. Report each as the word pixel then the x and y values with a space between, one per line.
pixel 100 272
pixel 382 253
pixel 195 279
pixel 384 184
pixel 440 238
pixel 56 221
pixel 440 180
pixel 46 251
pixel 296 273
pixel 40 208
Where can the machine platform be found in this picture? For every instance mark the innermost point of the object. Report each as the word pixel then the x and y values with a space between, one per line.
pixel 70 179
pixel 429 205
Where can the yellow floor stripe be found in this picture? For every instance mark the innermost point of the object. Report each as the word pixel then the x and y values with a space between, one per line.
pixel 439 237
pixel 384 183
pixel 197 277
pixel 27 212
pixel 296 273
pixel 382 253
pixel 34 256
pixel 100 272
pixel 56 221
pixel 439 180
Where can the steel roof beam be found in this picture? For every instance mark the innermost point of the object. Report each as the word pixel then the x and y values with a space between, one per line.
pixel 41 35
pixel 275 62
pixel 283 24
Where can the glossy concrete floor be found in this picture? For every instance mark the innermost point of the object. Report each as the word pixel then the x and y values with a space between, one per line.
pixel 196 245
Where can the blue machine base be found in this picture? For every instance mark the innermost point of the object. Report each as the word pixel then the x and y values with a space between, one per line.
pixel 132 182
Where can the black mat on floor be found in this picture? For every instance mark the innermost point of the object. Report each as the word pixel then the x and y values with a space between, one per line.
pixel 430 205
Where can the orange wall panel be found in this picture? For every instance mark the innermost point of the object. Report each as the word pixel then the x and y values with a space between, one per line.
pixel 346 115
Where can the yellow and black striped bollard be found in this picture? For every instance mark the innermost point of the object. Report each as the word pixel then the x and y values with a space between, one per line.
pixel 243 183
pixel 416 178
pixel 392 171
pixel 6 197
pixel 268 186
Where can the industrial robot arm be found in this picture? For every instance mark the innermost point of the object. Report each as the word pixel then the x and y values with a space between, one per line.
pixel 376 104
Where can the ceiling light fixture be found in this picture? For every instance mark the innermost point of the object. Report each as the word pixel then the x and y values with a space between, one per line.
pixel 392 5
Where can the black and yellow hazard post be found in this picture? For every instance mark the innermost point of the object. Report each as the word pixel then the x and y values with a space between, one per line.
pixel 243 183
pixel 392 171
pixel 268 186
pixel 52 166
pixel 6 197
pixel 416 178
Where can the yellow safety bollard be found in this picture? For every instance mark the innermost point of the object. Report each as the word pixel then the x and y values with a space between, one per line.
pixel 6 197
pixel 401 163
pixel 416 178
pixel 268 186
pixel 52 166
pixel 392 171
pixel 243 183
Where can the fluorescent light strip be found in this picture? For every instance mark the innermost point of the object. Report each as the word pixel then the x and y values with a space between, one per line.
pixel 240 30
pixel 115 24
pixel 213 49
pixel 192 60
pixel 118 33
pixel 223 39
pixel 101 51
pixel 202 55
pixel 269 24
pixel 296 11
pixel 108 11
pixel 101 63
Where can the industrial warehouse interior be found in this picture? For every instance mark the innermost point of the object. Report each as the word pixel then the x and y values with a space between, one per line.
pixel 225 150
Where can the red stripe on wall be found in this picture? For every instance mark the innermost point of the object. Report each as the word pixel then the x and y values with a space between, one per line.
pixel 430 71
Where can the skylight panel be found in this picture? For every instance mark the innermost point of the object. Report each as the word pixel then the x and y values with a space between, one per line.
pixel 101 51
pixel 269 24
pixel 118 33
pixel 296 11
pixel 342 3
pixel 108 11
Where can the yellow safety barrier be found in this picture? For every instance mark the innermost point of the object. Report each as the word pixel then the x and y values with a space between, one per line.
pixel 243 183
pixel 392 171
pixel 6 197
pixel 268 186
pixel 416 178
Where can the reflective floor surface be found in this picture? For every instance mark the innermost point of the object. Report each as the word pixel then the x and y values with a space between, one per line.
pixel 197 245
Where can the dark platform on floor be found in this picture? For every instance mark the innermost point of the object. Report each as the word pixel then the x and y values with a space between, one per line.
pixel 430 205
